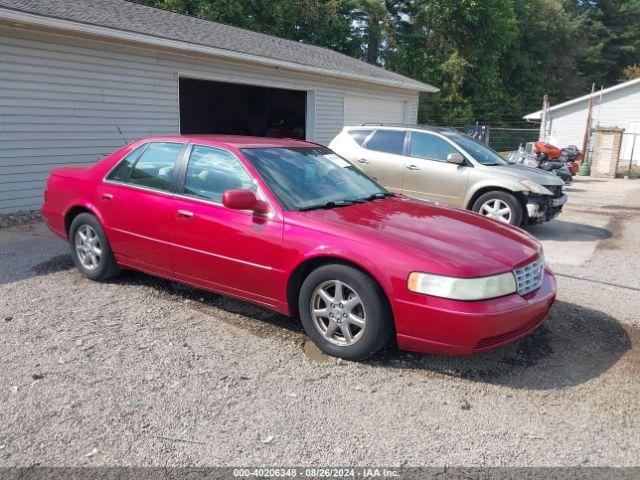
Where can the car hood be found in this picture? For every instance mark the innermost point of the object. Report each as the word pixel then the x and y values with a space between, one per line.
pixel 442 240
pixel 527 173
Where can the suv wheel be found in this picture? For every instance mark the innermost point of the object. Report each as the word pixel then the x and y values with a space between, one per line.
pixel 345 312
pixel 499 205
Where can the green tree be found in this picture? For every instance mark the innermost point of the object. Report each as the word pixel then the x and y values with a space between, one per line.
pixel 320 22
pixel 610 38
pixel 492 60
pixel 459 46
pixel 631 72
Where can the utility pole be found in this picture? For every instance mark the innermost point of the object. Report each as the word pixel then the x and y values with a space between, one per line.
pixel 543 118
pixel 585 168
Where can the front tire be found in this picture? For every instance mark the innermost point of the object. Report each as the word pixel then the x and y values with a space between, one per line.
pixel 499 205
pixel 345 312
pixel 90 248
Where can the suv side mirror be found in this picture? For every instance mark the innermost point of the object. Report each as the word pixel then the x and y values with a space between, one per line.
pixel 244 200
pixel 456 158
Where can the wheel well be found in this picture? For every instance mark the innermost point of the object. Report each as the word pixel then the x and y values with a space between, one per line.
pixel 71 214
pixel 302 271
pixel 484 190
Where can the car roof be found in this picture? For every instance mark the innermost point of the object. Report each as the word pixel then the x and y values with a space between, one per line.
pixel 237 141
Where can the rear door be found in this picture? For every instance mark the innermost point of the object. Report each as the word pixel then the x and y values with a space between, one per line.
pixel 135 202
pixel 427 173
pixel 382 158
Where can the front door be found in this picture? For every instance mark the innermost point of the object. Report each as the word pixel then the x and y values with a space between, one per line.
pixel 428 175
pixel 229 250
pixel 135 202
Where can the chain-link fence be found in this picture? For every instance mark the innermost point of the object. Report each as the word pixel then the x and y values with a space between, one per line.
pixel 504 140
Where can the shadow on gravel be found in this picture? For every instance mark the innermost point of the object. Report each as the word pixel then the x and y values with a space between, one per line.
pixel 568 231
pixel 574 345
pixel 257 320
pixel 53 265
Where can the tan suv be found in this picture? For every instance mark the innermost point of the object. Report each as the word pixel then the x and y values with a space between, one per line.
pixel 444 165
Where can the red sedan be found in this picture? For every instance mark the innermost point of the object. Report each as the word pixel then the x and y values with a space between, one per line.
pixel 291 226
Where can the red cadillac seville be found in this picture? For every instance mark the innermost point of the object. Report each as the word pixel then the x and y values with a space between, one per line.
pixel 291 226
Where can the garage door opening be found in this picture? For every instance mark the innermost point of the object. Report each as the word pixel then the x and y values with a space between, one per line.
pixel 231 108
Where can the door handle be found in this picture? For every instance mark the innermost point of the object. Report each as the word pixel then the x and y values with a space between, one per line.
pixel 363 160
pixel 184 215
pixel 107 197
pixel 412 167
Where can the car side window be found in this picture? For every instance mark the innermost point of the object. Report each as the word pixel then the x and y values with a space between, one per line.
pixel 122 170
pixel 359 136
pixel 388 141
pixel 155 166
pixel 430 147
pixel 212 171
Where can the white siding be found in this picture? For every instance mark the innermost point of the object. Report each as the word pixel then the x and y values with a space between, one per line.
pixel 360 109
pixel 62 97
pixel 618 109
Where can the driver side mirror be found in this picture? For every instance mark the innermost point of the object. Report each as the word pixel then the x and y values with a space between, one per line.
pixel 456 158
pixel 244 200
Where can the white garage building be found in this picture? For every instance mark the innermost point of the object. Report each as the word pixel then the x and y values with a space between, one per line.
pixel 617 106
pixel 76 76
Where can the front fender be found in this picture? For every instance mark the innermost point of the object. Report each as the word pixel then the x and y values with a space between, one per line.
pixel 505 185
pixel 349 256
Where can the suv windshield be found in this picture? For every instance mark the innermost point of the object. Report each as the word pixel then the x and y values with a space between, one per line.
pixel 479 151
pixel 303 178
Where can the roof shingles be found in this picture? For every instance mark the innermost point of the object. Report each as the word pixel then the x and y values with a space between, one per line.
pixel 132 17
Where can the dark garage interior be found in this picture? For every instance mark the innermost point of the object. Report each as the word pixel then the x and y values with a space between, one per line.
pixel 231 108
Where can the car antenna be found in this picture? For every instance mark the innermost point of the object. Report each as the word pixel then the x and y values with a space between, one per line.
pixel 120 132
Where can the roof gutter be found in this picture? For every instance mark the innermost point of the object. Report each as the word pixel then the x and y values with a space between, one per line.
pixel 73 26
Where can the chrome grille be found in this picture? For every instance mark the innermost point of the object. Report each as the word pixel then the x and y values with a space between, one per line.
pixel 529 277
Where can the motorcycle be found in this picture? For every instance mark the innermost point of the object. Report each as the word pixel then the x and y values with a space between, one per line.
pixel 550 159
pixel 574 158
pixel 521 157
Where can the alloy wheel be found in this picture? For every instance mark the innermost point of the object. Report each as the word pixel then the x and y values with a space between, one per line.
pixel 338 313
pixel 497 209
pixel 88 247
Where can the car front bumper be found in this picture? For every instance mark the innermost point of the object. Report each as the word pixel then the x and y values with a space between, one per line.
pixel 450 327
pixel 543 208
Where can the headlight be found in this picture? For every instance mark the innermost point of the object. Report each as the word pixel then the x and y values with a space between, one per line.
pixel 533 187
pixel 480 288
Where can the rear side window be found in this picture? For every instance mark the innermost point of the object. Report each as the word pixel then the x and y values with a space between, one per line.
pixel 430 147
pixel 155 166
pixel 388 141
pixel 212 171
pixel 359 135
pixel 121 172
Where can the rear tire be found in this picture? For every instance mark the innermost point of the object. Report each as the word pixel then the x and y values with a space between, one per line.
pixel 90 248
pixel 500 205
pixel 345 312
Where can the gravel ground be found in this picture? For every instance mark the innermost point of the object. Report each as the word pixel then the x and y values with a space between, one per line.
pixel 141 371
pixel 19 218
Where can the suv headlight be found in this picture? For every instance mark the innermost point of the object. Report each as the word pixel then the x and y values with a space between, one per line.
pixel 480 288
pixel 533 187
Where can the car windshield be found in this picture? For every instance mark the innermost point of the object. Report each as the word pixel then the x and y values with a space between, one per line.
pixel 478 150
pixel 303 178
